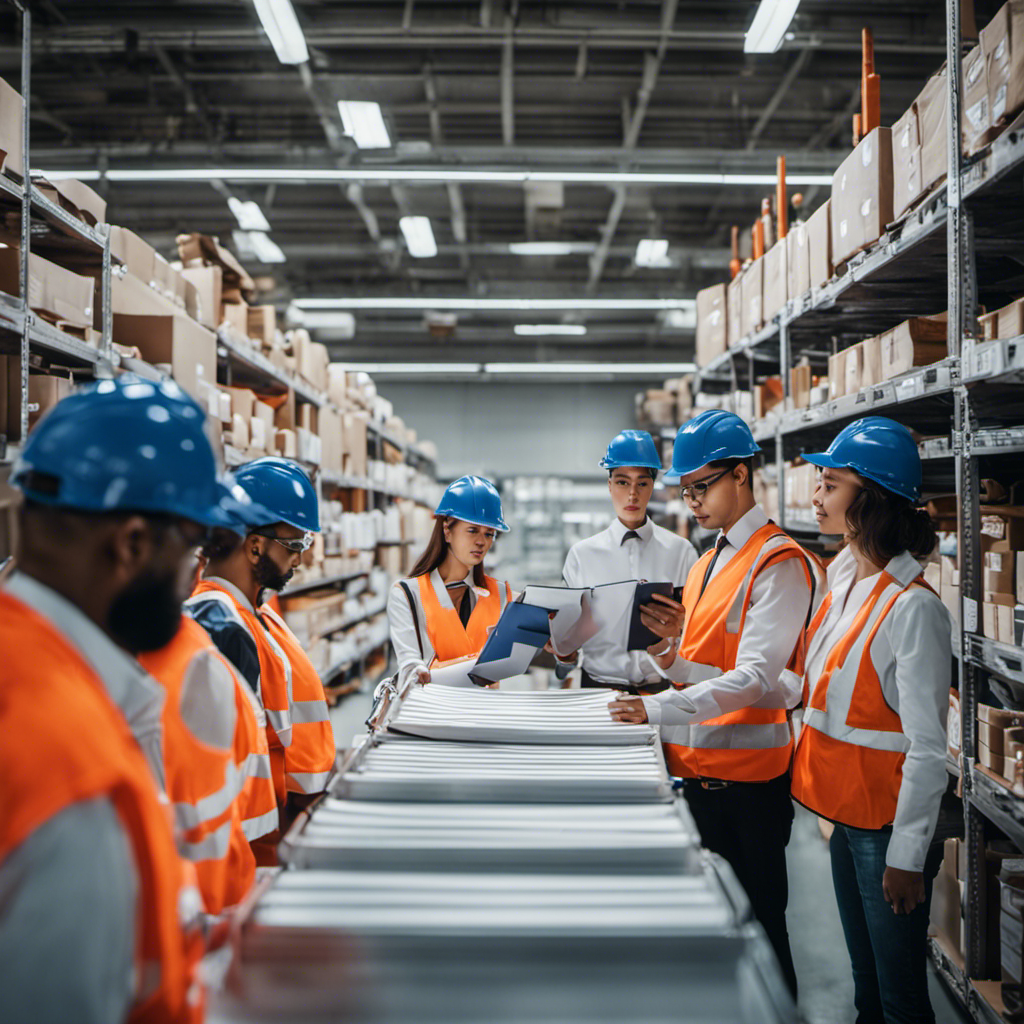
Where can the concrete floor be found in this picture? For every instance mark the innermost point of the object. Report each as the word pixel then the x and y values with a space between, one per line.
pixel 819 952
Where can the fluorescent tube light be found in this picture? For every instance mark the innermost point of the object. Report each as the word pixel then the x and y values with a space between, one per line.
pixel 652 252
pixel 546 330
pixel 419 236
pixel 496 305
pixel 248 214
pixel 769 26
pixel 550 248
pixel 681 319
pixel 260 245
pixel 411 369
pixel 568 369
pixel 433 174
pixel 365 124
pixel 283 30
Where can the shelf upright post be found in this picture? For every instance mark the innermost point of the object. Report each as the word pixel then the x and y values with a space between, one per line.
pixel 26 211
pixel 106 318
pixel 784 373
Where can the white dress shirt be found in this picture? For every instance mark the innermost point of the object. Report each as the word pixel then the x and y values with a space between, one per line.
pixel 654 555
pixel 912 655
pixel 779 602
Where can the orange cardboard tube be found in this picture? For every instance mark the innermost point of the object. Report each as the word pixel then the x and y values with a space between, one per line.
pixel 781 205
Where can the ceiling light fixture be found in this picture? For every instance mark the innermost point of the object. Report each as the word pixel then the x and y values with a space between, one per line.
pixel 283 30
pixel 496 305
pixel 549 330
pixel 652 252
pixel 260 245
pixel 563 369
pixel 248 214
pixel 365 124
pixel 419 237
pixel 439 175
pixel 550 248
pixel 768 28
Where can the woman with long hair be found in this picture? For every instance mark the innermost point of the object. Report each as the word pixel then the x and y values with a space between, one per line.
pixel 871 754
pixel 448 605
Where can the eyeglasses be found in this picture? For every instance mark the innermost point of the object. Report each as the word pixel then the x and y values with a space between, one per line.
pixel 294 544
pixel 696 492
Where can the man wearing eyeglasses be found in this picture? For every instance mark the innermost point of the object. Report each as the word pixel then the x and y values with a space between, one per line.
pixel 229 604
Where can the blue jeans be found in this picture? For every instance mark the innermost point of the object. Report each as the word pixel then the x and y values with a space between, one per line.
pixel 888 951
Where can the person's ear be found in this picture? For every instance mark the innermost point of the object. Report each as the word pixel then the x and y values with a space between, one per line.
pixel 130 545
pixel 253 550
pixel 740 473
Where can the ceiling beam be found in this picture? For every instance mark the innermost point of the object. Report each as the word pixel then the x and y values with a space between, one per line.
pixel 778 96
pixel 508 121
pixel 192 103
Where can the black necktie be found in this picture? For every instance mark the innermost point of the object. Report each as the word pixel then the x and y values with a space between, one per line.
pixel 465 610
pixel 719 544
pixel 629 535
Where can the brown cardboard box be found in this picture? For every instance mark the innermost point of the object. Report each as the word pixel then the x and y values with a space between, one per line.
pixel 945 914
pixel 355 454
pixel 862 195
pixel 332 437
pixel 208 282
pixel 977 120
pixel 1002 42
pixel 819 244
pixel 262 324
pixel 258 439
pixel 775 288
pixel 767 396
pixel 871 362
pixel 337 387
pixel 800 386
pixel 12 108
pixel 78 199
pixel 44 392
pixel 200 249
pixel 798 261
pixel 853 368
pixel 734 319
pixel 837 375
pixel 906 161
pixel 1007 322
pixel 240 432
pixel 932 114
pixel 135 253
pixel 284 444
pixel 236 316
pixel 54 292
pixel 1002 718
pixel 243 401
pixel 313 360
pixel 991 736
pixel 919 341
pixel 1000 572
pixel 919 145
pixel 191 350
pixel 954 736
pixel 712 327
pixel 130 295
pixel 752 310
pixel 265 413
pixel 164 278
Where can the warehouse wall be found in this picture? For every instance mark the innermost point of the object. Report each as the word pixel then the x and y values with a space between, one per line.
pixel 506 429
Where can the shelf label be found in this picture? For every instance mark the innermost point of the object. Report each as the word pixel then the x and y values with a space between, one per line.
pixel 970 615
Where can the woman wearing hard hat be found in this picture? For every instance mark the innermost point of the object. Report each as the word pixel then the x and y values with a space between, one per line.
pixel 446 608
pixel 872 752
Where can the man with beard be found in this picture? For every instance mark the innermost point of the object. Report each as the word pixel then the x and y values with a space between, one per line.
pixel 98 912
pixel 228 603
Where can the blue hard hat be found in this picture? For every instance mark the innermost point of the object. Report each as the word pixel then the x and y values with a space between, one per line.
pixel 129 445
pixel 473 500
pixel 632 448
pixel 711 436
pixel 283 490
pixel 880 449
pixel 241 513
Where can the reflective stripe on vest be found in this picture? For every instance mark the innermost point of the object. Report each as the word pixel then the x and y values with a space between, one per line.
pixel 309 759
pixel 448 637
pixel 755 743
pixel 258 800
pixel 848 765
pixel 66 742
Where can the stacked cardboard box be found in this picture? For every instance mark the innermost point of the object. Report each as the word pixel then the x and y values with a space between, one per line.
pixel 12 114
pixel 1000 734
pixel 994 78
pixel 919 149
pixel 862 200
pixel 1004 323
pixel 800 480
pixel 712 323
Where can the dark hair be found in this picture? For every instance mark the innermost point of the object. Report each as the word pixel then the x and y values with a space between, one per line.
pixel 437 550
pixel 220 544
pixel 653 472
pixel 883 524
pixel 731 464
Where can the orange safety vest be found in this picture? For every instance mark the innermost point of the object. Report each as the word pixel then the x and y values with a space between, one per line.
pixel 449 638
pixel 257 803
pixel 203 782
pixel 754 744
pixel 848 765
pixel 65 741
pixel 310 758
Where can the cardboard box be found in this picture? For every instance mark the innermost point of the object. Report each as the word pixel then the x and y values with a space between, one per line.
pixel 284 444
pixel 53 292
pixel 312 362
pixel 337 387
pixel 945 913
pixel 128 294
pixel 906 162
pixel 775 289
pixel 1001 718
pixel 992 736
pixel 243 401
pixel 871 362
pixel 798 261
pixel 208 283
pixel 919 145
pixel 258 434
pixel 837 375
pixel 767 396
pixel 800 386
pixel 240 432
pixel 265 414
pixel 919 341
pixel 1005 323
pixel 135 253
pixel 976 126
pixel 1004 623
pixel 954 737
pixel 355 454
pixel 819 243
pixel 163 277
pixel 79 200
pixel 236 316
pixel 752 309
pixel 712 326
pixel 263 324
pixel 332 440
pixel 853 368
pixel 44 392
pixel 1002 42
pixel 1000 572
pixel 932 116
pixel 12 112
pixel 191 350
pixel 203 250
pixel 862 195
pixel 734 319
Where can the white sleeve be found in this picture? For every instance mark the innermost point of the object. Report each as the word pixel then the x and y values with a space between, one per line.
pixel 69 895
pixel 918 630
pixel 404 635
pixel 571 569
pixel 778 612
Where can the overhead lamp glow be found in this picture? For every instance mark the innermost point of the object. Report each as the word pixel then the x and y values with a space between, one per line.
pixel 248 214
pixel 438 175
pixel 652 252
pixel 365 124
pixel 419 236
pixel 768 28
pixel 337 322
pixel 414 369
pixel 496 305
pixel 260 245
pixel 550 330
pixel 568 369
pixel 681 319
pixel 283 30
pixel 550 248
